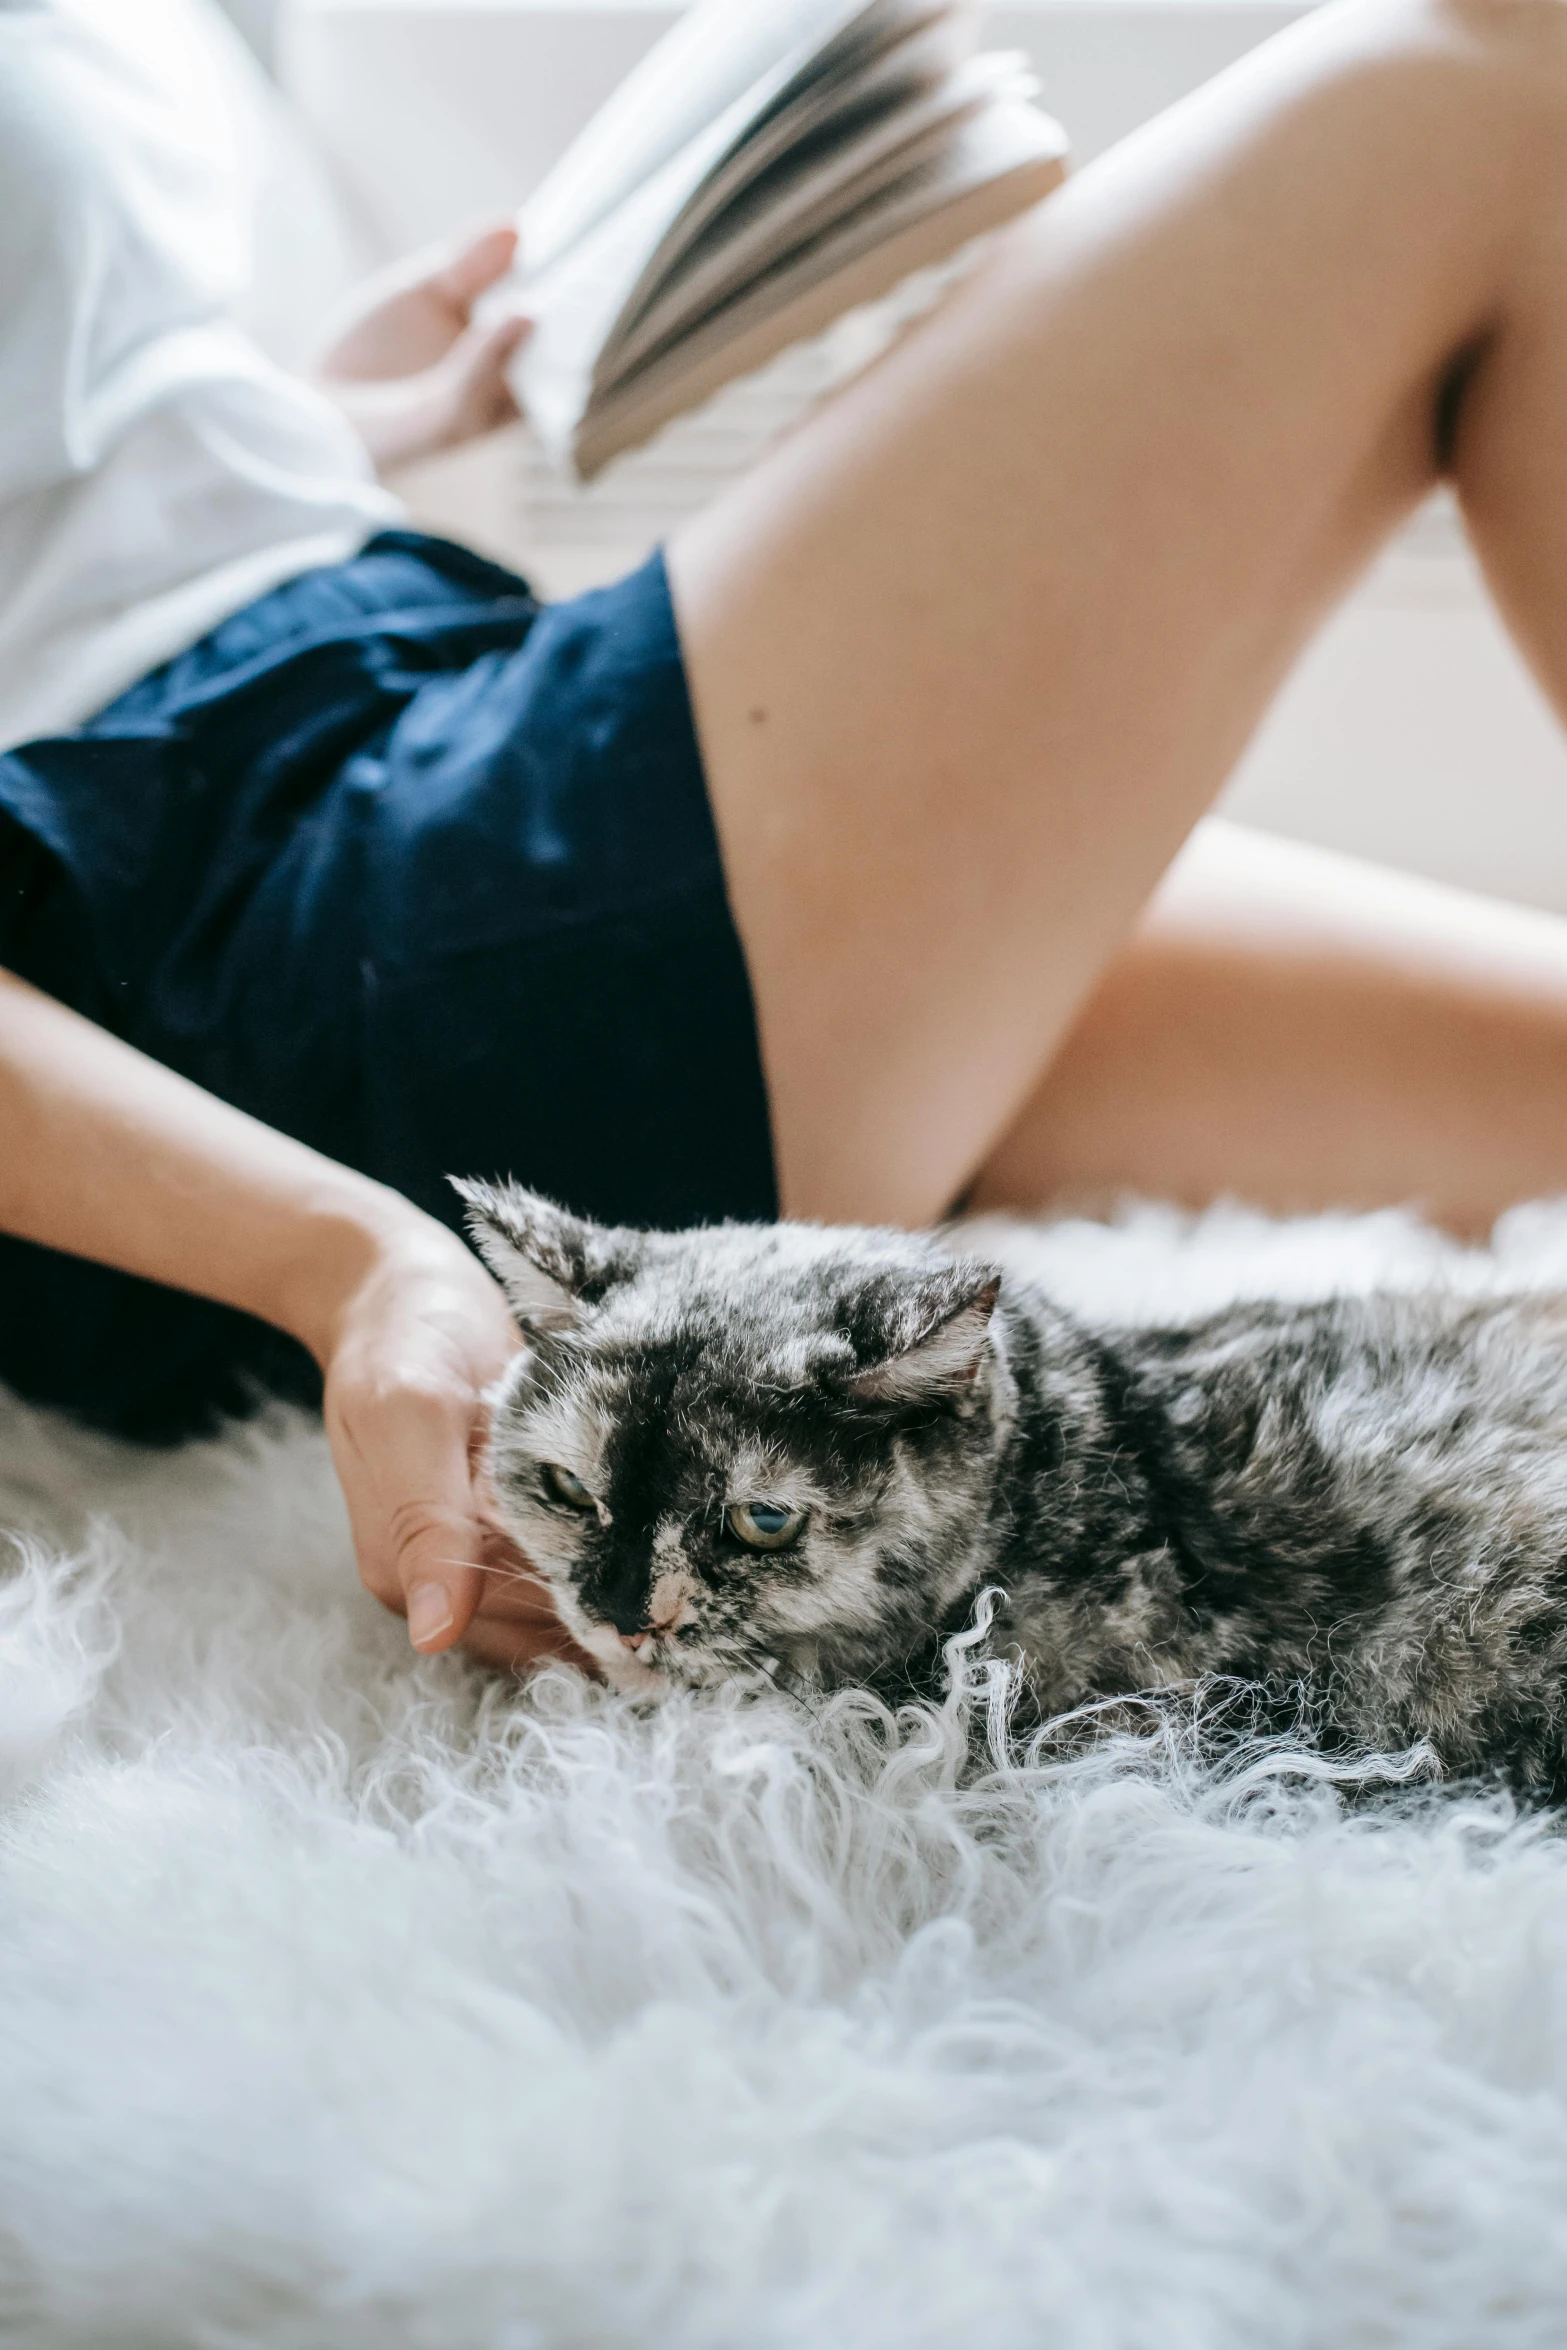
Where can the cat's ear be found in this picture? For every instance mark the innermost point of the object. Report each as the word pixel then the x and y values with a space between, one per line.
pixel 548 1262
pixel 936 1342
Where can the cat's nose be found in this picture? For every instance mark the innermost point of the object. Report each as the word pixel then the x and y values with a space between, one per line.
pixel 635 1641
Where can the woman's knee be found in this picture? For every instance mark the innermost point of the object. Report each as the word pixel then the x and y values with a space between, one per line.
pixel 1507 57
pixel 1455 112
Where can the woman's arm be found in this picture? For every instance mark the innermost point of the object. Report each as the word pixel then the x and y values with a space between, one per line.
pixel 110 1156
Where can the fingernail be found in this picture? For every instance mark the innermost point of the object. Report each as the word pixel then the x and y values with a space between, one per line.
pixel 429 1613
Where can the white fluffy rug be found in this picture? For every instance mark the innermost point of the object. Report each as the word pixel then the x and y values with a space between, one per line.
pixel 351 2000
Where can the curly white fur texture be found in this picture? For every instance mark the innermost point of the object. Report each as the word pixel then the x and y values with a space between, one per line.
pixel 354 2002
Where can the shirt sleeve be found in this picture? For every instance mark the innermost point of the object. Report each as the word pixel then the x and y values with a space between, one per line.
pixel 124 226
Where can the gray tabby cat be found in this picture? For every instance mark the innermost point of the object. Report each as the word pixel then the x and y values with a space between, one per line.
pixel 804 1451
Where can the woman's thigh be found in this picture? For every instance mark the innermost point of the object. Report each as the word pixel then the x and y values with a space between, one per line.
pixel 975 649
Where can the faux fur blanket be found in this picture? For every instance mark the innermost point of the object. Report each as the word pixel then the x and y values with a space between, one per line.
pixel 353 2000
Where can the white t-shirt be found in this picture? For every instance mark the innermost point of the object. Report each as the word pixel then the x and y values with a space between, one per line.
pixel 156 472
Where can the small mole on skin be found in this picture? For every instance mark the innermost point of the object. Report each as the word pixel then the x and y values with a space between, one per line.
pixel 758 717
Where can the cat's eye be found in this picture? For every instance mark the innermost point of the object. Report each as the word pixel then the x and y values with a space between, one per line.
pixel 563 1486
pixel 763 1525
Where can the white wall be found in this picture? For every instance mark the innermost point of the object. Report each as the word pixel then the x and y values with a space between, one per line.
pixel 256 20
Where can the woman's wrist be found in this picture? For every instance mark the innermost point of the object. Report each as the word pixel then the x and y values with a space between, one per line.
pixel 348 1238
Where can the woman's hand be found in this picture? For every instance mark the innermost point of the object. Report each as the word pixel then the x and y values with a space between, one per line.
pixel 110 1156
pixel 409 1354
pixel 410 369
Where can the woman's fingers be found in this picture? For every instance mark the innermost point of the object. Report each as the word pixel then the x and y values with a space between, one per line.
pixel 406 319
pixel 437 1547
pixel 402 1459
pixel 513 1647
pixel 462 279
pixel 463 394
pixel 412 368
pixel 478 396
pixel 415 1347
pixel 408 1460
pixel 516 1624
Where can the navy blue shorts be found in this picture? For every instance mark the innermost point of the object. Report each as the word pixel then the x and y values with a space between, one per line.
pixel 417 870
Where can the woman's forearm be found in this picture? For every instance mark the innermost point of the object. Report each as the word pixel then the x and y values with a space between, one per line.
pixel 106 1154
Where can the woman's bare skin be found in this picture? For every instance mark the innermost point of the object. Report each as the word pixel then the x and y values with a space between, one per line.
pixel 973 652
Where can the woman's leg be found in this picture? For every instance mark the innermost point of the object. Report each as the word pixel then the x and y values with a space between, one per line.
pixel 1304 1031
pixel 975 649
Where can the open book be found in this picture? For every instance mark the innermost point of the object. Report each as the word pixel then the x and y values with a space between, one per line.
pixel 770 164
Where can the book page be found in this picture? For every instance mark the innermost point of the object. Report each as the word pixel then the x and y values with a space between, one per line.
pixel 917 59
pixel 769 224
pixel 577 299
pixel 997 164
pixel 878 26
pixel 718 51
pixel 577 302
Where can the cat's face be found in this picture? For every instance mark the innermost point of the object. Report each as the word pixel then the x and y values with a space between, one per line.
pixel 746 1448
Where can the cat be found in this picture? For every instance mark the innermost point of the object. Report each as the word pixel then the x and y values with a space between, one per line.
pixel 802 1452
